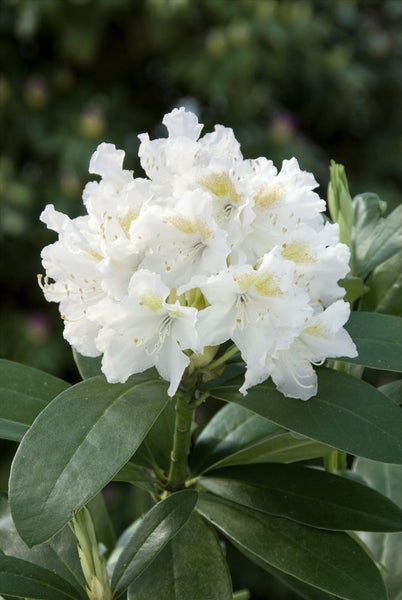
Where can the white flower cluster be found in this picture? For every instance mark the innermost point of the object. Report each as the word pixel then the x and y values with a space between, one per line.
pixel 208 248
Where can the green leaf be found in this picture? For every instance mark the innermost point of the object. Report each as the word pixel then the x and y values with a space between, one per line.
pixel 79 442
pixel 238 436
pixel 340 202
pixel 385 285
pixel 393 390
pixel 19 578
pixel 58 554
pixel 386 479
pixel 378 339
pixel 347 414
pixel 374 238
pixel 191 565
pixel 156 447
pixel 155 530
pixel 87 366
pixel 306 495
pixel 102 523
pixel 354 286
pixel 24 393
pixel 302 589
pixel 331 561
pixel 232 429
pixel 135 475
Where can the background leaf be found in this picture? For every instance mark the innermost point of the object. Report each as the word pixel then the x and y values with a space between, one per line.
pixel 191 565
pixel 59 554
pixel 393 390
pixel 24 393
pixel 232 428
pixel 386 479
pixel 154 531
pixel 378 339
pixel 347 414
pixel 329 560
pixel 385 285
pixel 306 495
pixel 79 443
pixel 374 238
pixel 87 366
pixel 19 578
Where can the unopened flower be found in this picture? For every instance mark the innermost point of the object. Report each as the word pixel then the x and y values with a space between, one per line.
pixel 207 248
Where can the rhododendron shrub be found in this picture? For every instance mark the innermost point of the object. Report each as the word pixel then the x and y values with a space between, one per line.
pixel 212 276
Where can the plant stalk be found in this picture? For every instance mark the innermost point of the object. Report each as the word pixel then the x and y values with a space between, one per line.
pixel 181 441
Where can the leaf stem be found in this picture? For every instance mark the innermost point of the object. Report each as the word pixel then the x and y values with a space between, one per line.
pixel 222 359
pixel 181 441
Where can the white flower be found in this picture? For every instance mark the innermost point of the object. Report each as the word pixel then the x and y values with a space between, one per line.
pixel 207 248
pixel 324 337
pixel 144 330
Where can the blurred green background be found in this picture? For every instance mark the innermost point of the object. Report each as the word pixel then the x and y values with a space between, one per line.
pixel 315 79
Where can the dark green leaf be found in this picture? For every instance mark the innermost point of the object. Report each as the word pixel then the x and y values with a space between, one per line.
pixel 232 429
pixel 155 530
pixel 102 523
pixel 24 393
pixel 135 475
pixel 386 479
pixel 306 495
pixel 378 339
pixel 347 414
pixel 58 554
pixel 355 288
pixel 331 561
pixel 393 390
pixel 155 449
pixel 87 366
pixel 79 442
pixel 22 579
pixel 302 589
pixel 284 448
pixel 191 566
pixel 385 285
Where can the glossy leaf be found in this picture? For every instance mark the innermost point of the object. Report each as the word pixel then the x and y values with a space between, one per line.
pixel 24 393
pixel 331 561
pixel 393 390
pixel 306 495
pixel 130 473
pixel 156 447
pixel 347 414
pixel 19 578
pixel 386 479
pixel 79 442
pixel 303 590
pixel 378 339
pixel 233 428
pixel 58 554
pixel 155 530
pixel 176 574
pixel 284 448
pixel 385 285
pixel 374 238
pixel 87 366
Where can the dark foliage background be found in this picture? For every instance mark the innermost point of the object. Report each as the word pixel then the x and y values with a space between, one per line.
pixel 315 79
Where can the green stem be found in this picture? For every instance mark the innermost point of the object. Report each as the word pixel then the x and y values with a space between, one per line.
pixel 181 441
pixel 222 359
